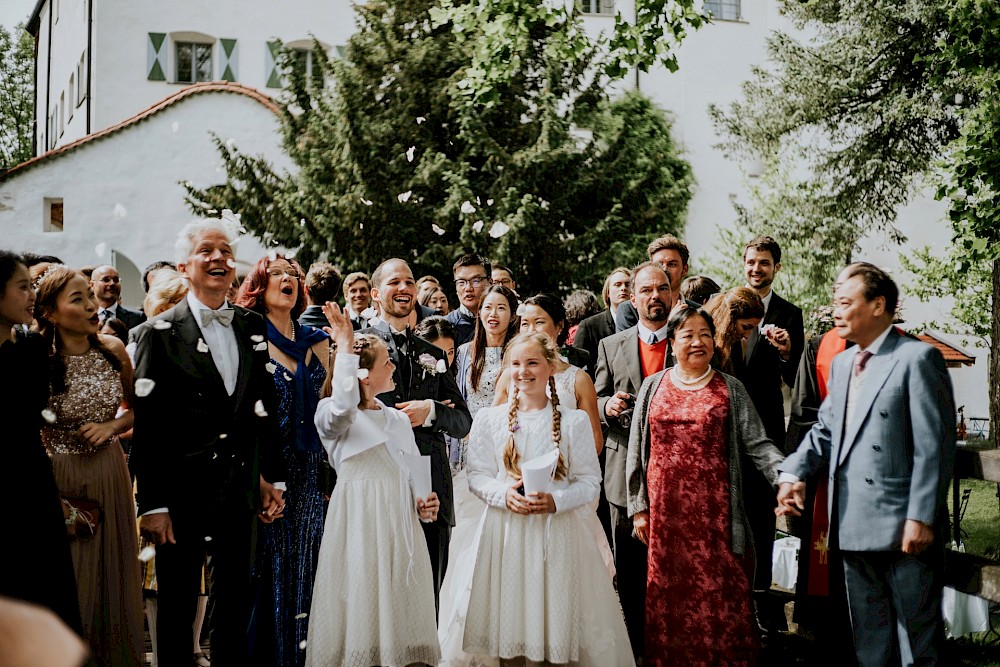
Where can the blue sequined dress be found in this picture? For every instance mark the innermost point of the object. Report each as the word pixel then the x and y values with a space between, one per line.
pixel 287 549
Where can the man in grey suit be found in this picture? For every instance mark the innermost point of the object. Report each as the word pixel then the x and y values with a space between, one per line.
pixel 887 430
pixel 623 361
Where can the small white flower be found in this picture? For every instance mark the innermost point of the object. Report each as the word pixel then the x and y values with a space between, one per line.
pixel 49 416
pixel 362 373
pixel 147 553
pixel 441 366
pixel 161 325
pixel 959 98
pixel 257 338
pixel 369 313
pixel 437 230
pixel 260 347
pixel 420 119
pixel 202 345
pixel 270 368
pixel 143 387
pixel 468 208
pixel 410 152
pixel 100 249
pixel 477 226
pixel 120 211
pixel 498 229
pixel 231 263
pixel 404 197
pixel 259 410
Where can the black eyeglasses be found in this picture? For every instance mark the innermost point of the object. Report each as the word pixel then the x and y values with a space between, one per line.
pixel 462 283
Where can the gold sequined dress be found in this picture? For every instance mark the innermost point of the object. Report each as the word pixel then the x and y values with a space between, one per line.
pixel 106 565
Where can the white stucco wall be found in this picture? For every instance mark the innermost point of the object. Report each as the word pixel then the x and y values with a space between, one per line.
pixel 68 40
pixel 121 194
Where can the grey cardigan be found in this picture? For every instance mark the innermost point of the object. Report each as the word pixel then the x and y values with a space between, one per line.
pixel 746 434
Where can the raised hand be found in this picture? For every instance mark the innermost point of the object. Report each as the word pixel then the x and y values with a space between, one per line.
pixel 340 328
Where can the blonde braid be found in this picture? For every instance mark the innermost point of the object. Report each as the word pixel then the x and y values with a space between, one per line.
pixel 511 459
pixel 557 428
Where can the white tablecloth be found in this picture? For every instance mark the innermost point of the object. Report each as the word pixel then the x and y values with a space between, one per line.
pixel 785 562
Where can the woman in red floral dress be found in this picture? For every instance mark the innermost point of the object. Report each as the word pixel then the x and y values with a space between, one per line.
pixel 686 503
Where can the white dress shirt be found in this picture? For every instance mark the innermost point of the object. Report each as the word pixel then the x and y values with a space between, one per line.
pixel 112 312
pixel 644 333
pixel 221 341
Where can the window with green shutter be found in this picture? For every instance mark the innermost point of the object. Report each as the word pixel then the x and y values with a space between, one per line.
pixel 230 59
pixel 156 56
pixel 272 56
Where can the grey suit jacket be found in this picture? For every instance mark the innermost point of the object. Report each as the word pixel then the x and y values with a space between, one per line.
pixel 618 369
pixel 895 460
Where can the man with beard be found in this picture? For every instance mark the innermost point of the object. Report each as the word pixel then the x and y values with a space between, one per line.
pixel 107 287
pixel 425 391
pixel 672 255
pixel 623 361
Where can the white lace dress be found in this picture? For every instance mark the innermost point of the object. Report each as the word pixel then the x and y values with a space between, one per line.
pixel 532 589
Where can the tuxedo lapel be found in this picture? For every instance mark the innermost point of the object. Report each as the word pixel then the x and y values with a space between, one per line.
pixel 245 355
pixel 630 349
pixel 187 331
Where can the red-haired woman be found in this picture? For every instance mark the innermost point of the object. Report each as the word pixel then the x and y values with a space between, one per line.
pixel 288 551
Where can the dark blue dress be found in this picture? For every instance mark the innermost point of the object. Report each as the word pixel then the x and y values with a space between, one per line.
pixel 288 549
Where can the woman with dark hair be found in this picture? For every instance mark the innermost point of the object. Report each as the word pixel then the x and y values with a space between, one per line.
pixel 736 313
pixel 91 379
pixel 692 427
pixel 698 289
pixel 439 332
pixel 434 298
pixel 288 551
pixel 40 569
pixel 479 360
pixel 579 305
pixel 115 327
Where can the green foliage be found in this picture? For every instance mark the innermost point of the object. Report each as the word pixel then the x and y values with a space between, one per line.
pixel 555 180
pixel 17 84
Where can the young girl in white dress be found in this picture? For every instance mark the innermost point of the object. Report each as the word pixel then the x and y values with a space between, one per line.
pixel 534 591
pixel 373 599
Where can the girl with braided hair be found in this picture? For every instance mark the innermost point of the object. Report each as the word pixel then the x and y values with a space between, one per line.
pixel 531 589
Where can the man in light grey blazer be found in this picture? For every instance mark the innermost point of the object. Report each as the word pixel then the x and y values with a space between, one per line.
pixel 887 430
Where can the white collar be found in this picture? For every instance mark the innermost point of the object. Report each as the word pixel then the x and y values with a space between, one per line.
pixel 876 344
pixel 113 308
pixel 465 311
pixel 197 305
pixel 644 333
pixel 767 300
pixel 614 311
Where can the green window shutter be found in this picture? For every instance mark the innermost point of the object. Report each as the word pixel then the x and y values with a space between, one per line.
pixel 230 59
pixel 271 65
pixel 156 56
pixel 341 51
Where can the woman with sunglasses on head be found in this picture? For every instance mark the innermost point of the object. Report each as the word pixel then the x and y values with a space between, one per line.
pixel 288 549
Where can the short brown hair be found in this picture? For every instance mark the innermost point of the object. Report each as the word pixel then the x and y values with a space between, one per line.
pixel 877 283
pixel 668 242
pixel 353 278
pixel 472 259
pixel 764 244
pixel 322 283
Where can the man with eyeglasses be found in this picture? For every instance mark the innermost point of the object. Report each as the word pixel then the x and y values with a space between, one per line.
pixel 107 287
pixel 472 276
pixel 503 276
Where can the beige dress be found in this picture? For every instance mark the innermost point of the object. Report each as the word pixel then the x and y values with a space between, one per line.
pixel 106 565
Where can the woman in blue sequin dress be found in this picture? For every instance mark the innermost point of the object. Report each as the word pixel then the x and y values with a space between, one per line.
pixel 288 546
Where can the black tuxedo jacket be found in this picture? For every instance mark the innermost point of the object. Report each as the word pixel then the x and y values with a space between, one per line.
pixel 439 387
pixel 591 332
pixel 764 369
pixel 198 448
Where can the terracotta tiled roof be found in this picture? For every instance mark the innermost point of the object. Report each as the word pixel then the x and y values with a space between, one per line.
pixel 187 91
pixel 954 356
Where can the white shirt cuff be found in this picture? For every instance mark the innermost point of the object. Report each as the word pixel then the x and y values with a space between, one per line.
pixel 280 486
pixel 158 510
pixel 431 416
pixel 787 477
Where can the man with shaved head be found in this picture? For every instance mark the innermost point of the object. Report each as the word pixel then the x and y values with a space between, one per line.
pixel 107 287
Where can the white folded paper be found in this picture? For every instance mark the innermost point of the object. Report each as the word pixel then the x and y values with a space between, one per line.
pixel 420 474
pixel 537 473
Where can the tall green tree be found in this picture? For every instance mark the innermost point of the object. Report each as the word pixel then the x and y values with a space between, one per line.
pixel 17 85
pixel 555 181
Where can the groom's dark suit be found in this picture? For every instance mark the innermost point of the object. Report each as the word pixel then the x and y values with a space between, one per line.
pixel 414 383
pixel 199 453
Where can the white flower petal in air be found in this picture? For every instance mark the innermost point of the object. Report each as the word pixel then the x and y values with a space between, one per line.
pixel 208 538
pixel 257 338
pixel 420 119
pixel 369 313
pixel 302 222
pixel 299 617
pixel 49 416
pixel 202 345
pixel 498 229
pixel 521 310
pixel 347 384
pixel 288 378
pixel 260 347
pixel 223 436
pixel 468 208
pixel 477 226
pixel 161 325
pixel 441 366
pixel 258 409
pixel 489 202
pixel 100 249
pixel 120 211
pixel 175 126
pixel 272 255
pixel 143 387
pixel 375 321
pixel 410 152
pixel 366 202
pixel 362 373
pixel 404 197
pixel 231 263
pixel 302 645
pixel 130 351
pixel 147 553
pixel 270 368
pixel 437 230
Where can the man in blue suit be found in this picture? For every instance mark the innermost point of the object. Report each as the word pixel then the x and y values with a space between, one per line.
pixel 887 430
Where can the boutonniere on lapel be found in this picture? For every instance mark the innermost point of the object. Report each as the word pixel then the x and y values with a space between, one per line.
pixel 428 364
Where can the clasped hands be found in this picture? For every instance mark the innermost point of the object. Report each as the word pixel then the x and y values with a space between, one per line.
pixel 917 536
pixel 538 502
pixel 427 508
pixel 272 502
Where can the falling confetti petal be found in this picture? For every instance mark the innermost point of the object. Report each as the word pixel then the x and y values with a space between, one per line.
pixel 260 347
pixel 369 313
pixel 347 384
pixel 299 617
pixel 147 553
pixel 208 538
pixel 404 197
pixel 366 202
pixel 175 126
pixel 120 211
pixel 437 230
pixel 409 153
pixel 362 373
pixel 498 229
pixel 270 368
pixel 259 410
pixel 257 338
pixel 441 366
pixel 302 222
pixel 202 345
pixel 521 310
pixel 478 226
pixel 161 325
pixel 49 416
pixel 288 378
pixel 302 645
pixel 468 208
pixel 375 321
pixel 143 387
pixel 100 249
pixel 223 436
pixel 130 351
pixel 489 202
pixel 231 263
pixel 420 119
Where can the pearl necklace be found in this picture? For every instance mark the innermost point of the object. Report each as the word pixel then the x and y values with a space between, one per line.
pixel 695 380
pixel 293 331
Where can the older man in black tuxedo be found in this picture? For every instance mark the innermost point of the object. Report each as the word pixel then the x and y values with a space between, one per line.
pixel 204 447
pixel 425 391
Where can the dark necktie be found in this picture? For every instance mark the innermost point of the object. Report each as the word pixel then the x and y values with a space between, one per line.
pixel 403 362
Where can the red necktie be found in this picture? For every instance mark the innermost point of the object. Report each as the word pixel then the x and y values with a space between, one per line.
pixel 861 361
